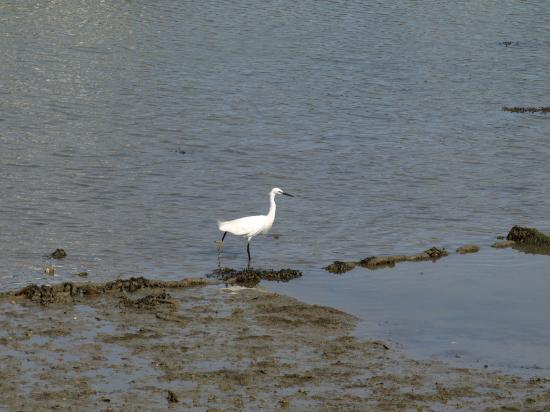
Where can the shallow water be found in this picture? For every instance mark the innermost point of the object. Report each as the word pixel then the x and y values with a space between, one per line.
pixel 488 308
pixel 128 129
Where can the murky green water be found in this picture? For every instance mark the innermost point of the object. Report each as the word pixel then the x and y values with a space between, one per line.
pixel 383 119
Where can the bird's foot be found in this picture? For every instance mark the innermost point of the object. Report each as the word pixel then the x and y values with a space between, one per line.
pixel 219 243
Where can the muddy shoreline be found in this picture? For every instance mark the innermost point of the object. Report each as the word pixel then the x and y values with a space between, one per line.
pixel 187 345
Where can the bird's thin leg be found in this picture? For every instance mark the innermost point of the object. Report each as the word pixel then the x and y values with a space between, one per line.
pixel 248 251
pixel 220 242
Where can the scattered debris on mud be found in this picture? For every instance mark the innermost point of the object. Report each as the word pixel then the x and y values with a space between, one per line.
pixel 250 277
pixel 149 302
pixel 377 262
pixel 58 254
pixel 526 109
pixel 464 249
pixel 250 350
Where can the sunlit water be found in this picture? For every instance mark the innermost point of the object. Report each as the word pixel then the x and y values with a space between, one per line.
pixel 127 129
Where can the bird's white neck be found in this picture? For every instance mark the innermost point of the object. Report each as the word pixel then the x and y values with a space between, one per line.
pixel 272 208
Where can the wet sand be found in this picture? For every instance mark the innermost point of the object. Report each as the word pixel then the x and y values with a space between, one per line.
pixel 195 345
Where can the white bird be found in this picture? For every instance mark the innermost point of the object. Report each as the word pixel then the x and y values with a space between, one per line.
pixel 251 226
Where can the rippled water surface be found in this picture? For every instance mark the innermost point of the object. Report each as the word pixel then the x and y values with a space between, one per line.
pixel 127 129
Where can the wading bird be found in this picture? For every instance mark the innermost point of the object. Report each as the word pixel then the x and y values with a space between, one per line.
pixel 251 226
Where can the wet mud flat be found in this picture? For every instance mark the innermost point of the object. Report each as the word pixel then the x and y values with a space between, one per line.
pixel 197 345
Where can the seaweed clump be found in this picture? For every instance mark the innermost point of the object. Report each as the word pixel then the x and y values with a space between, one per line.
pixel 250 277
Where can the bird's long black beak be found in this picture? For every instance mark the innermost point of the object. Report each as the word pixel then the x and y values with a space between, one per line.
pixel 287 194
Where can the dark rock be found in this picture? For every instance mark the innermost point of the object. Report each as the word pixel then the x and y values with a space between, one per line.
pixel 58 254
pixel 82 274
pixel 516 109
pixel 435 253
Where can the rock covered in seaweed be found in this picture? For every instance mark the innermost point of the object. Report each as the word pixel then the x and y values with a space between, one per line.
pixel 528 236
pixel 433 254
pixel 69 292
pixel 340 267
pixel 467 249
pixel 251 277
pixel 375 262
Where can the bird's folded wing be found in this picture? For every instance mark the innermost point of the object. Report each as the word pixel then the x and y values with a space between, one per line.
pixel 249 226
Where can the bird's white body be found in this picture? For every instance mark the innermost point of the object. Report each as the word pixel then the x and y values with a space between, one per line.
pixel 251 226
pixel 247 226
